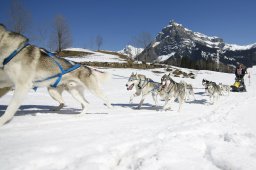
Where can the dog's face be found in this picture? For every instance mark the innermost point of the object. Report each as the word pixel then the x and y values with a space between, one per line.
pixel 210 87
pixel 133 80
pixel 2 31
pixel 205 83
pixel 165 81
pixel 10 41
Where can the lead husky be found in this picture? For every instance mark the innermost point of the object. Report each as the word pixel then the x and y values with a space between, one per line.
pixel 31 64
pixel 143 86
pixel 172 90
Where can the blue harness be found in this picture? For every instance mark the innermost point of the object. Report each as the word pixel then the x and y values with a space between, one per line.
pixel 51 55
pixel 14 53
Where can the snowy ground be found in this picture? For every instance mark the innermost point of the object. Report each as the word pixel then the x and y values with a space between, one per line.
pixel 200 137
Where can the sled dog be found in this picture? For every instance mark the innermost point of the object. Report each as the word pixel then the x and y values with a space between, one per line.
pixel 55 93
pixel 31 64
pixel 225 89
pixel 143 86
pixel 172 90
pixel 188 91
pixel 212 89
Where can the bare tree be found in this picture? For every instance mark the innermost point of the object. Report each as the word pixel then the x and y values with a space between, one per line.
pixel 20 18
pixel 99 41
pixel 143 39
pixel 61 37
pixel 41 35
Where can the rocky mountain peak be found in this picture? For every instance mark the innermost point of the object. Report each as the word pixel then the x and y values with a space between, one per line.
pixel 175 42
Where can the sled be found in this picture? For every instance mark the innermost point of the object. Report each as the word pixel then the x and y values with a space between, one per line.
pixel 238 86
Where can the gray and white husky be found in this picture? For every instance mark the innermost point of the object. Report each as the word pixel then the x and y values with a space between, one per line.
pixel 188 91
pixel 143 86
pixel 212 89
pixel 172 90
pixel 31 65
pixel 55 93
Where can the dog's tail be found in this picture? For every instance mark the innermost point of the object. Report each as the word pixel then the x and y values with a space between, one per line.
pixel 94 80
pixel 103 77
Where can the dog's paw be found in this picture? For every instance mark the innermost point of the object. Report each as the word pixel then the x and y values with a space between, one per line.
pixel 137 108
pixel 58 108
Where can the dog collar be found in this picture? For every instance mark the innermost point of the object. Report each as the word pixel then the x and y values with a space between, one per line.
pixel 14 53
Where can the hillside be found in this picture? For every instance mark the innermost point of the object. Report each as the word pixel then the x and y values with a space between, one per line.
pixel 103 58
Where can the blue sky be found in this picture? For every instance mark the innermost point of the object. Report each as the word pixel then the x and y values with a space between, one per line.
pixel 118 21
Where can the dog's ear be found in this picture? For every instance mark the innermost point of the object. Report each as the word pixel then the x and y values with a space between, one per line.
pixel 2 28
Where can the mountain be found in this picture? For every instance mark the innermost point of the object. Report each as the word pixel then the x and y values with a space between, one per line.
pixel 131 51
pixel 177 45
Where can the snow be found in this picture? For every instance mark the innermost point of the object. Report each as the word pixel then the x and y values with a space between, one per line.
pixel 235 47
pixel 163 58
pixel 131 51
pixel 97 57
pixel 79 50
pixel 202 136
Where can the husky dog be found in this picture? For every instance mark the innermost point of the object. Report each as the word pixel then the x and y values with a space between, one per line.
pixel 205 84
pixel 55 93
pixel 225 89
pixel 143 86
pixel 212 89
pixel 31 65
pixel 172 90
pixel 4 80
pixel 189 91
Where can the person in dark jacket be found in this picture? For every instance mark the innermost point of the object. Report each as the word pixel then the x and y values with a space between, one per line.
pixel 240 72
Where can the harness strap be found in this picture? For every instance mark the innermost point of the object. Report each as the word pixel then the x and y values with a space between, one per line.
pixel 14 53
pixel 142 85
pixel 59 75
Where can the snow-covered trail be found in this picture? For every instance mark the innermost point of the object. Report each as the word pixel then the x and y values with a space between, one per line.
pixel 202 136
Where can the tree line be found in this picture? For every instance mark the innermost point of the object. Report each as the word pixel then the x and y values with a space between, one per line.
pixel 56 36
pixel 201 64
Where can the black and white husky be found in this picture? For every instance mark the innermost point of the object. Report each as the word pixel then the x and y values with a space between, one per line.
pixel 172 90
pixel 31 64
pixel 212 89
pixel 143 86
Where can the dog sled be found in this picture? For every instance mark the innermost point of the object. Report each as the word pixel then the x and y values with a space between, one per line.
pixel 238 86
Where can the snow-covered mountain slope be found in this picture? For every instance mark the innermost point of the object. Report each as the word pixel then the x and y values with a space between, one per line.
pixel 175 42
pixel 131 51
pixel 200 137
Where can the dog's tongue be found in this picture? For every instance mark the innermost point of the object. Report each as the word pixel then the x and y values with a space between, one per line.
pixel 130 87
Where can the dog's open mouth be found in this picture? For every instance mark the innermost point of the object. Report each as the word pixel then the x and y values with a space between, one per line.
pixel 163 85
pixel 130 87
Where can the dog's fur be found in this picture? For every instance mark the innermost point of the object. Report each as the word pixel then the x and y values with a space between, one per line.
pixel 212 89
pixel 188 91
pixel 31 64
pixel 172 90
pixel 143 86
pixel 225 89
